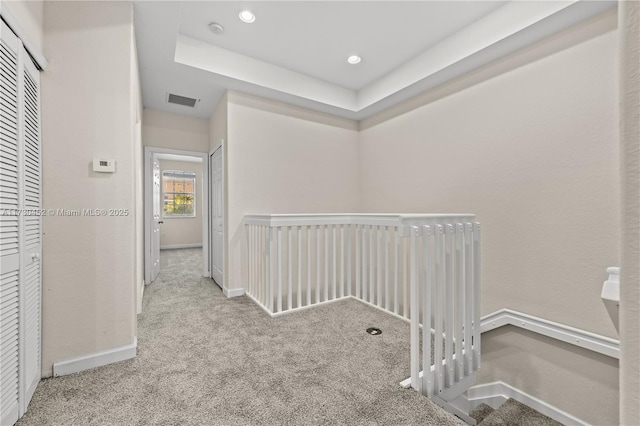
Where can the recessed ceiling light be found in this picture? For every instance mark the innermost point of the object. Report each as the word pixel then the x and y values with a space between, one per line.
pixel 354 59
pixel 247 16
pixel 216 28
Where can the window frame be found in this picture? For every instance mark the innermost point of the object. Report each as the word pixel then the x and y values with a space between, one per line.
pixel 188 176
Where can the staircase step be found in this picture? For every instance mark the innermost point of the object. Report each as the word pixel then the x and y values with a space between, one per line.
pixel 481 412
pixel 513 412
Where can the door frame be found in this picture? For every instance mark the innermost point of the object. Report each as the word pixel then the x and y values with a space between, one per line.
pixel 223 284
pixel 149 152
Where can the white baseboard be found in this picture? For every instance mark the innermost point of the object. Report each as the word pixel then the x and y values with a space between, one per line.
pixel 234 292
pixel 496 393
pixel 98 359
pixel 179 246
pixel 584 339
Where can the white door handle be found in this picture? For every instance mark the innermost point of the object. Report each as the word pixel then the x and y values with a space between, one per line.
pixel 35 256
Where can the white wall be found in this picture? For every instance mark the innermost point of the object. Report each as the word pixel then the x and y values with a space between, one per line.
pixel 182 231
pixel 30 14
pixel 282 159
pixel 534 153
pixel 166 130
pixel 89 263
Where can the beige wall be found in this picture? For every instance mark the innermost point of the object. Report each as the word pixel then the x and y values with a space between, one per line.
pixel 630 243
pixel 30 15
pixel 183 231
pixel 166 130
pixel 561 374
pixel 218 124
pixel 533 152
pixel 87 110
pixel 282 159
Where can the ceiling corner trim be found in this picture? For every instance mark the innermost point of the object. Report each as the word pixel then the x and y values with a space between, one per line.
pixel 498 26
pixel 207 57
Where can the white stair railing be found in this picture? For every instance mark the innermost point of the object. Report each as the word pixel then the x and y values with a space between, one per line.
pixel 445 303
pixel 420 267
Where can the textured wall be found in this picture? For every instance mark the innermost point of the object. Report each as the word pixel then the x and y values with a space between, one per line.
pixel 282 159
pixel 533 151
pixel 87 110
pixel 166 130
pixel 554 371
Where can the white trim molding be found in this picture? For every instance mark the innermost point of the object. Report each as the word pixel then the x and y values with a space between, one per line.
pixel 149 152
pixel 234 292
pixel 179 246
pixel 495 394
pixel 28 43
pixel 94 360
pixel 584 339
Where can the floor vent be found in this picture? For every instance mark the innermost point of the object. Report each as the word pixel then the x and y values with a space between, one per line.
pixel 182 100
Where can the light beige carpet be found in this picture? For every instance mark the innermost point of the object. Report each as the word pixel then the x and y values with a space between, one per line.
pixel 207 360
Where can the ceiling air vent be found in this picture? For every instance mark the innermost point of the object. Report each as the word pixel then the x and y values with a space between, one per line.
pixel 182 100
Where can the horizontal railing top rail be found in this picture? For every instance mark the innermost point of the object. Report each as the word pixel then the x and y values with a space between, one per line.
pixel 400 220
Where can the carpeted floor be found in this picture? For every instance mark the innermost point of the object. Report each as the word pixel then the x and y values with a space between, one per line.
pixel 207 360
pixel 511 413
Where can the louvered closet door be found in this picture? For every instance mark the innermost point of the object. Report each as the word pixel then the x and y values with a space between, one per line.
pixel 9 230
pixel 30 225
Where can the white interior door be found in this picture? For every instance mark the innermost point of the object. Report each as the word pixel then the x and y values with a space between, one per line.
pixel 9 230
pixel 20 228
pixel 31 228
pixel 155 224
pixel 217 217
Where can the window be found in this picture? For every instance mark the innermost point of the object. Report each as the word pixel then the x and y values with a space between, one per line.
pixel 179 190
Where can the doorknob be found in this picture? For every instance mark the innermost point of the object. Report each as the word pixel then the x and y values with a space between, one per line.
pixel 35 256
pixel 160 221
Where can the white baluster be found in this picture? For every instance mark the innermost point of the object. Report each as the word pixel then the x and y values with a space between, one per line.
pixel 365 269
pixel 468 300
pixel 269 271
pixel 387 302
pixel 476 292
pixel 438 311
pixel 326 263
pixel 290 271
pixel 371 266
pixel 415 310
pixel 342 260
pixel 448 318
pixel 379 261
pixel 334 282
pixel 349 260
pixel 459 299
pixel 279 266
pixel 358 262
pixel 317 263
pixel 396 271
pixel 427 264
pixel 299 247
pixel 308 265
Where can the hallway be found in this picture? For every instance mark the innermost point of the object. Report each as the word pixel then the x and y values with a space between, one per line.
pixel 204 359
